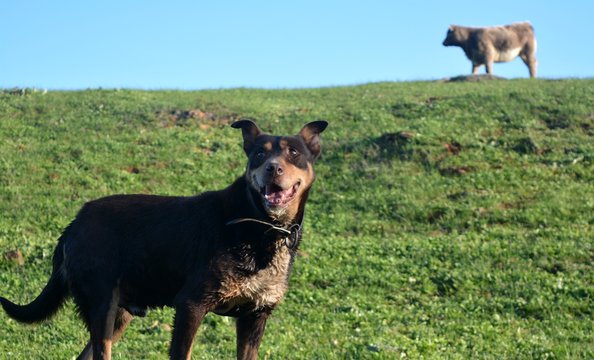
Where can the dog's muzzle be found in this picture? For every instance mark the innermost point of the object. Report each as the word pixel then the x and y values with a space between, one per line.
pixel 276 196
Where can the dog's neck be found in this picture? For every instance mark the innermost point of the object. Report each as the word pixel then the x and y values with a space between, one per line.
pixel 244 206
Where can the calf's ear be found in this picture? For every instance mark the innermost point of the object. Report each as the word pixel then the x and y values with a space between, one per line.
pixel 250 131
pixel 310 134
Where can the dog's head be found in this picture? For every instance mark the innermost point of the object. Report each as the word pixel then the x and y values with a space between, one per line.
pixel 280 168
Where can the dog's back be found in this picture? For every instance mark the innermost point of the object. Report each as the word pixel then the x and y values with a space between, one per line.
pixel 122 235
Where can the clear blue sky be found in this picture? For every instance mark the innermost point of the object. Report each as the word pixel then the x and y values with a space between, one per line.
pixel 272 44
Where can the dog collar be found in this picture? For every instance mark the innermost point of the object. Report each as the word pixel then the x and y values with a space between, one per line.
pixel 293 232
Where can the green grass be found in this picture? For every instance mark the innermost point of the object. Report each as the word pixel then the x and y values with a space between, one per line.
pixel 448 220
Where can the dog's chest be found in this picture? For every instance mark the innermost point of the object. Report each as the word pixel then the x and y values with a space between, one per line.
pixel 262 288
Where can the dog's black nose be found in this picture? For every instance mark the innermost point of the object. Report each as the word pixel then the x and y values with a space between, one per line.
pixel 274 169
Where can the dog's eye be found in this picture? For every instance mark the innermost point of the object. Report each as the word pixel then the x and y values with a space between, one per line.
pixel 293 152
pixel 260 154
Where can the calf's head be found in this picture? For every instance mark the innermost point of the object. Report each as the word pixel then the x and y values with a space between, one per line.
pixel 454 37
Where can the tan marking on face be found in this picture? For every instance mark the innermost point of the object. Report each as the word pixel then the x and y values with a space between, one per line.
pixel 291 175
pixel 306 177
pixel 294 180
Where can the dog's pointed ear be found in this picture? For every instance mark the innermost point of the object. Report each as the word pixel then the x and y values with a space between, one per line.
pixel 250 131
pixel 311 135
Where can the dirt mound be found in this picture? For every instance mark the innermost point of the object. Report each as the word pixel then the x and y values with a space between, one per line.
pixel 472 78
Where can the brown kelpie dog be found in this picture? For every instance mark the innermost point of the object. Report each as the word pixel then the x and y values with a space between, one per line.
pixel 229 251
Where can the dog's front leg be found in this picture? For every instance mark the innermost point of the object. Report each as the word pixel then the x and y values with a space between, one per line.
pixel 188 316
pixel 250 329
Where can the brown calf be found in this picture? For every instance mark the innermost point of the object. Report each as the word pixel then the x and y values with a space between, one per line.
pixel 486 45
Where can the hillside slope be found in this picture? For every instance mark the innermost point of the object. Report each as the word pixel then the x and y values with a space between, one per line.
pixel 448 220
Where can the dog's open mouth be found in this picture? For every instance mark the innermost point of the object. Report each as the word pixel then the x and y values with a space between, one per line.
pixel 277 196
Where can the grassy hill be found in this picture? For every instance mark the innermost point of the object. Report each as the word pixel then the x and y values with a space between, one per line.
pixel 449 220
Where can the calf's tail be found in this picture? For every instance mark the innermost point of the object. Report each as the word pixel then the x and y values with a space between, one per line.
pixel 49 301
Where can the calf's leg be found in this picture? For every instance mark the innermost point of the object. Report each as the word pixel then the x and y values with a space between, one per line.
pixel 530 61
pixel 489 67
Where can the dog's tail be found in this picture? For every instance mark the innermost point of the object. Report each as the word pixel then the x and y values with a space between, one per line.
pixel 51 298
